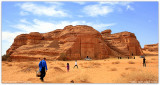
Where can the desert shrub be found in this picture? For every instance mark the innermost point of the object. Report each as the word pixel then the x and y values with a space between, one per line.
pixel 90 64
pixel 138 77
pixel 149 62
pixel 113 69
pixel 130 68
pixel 123 74
pixel 117 62
pixel 153 59
pixel 94 64
pixel 131 62
pixel 143 77
pixel 6 58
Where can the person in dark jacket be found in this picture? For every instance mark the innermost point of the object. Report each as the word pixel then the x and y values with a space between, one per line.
pixel 43 68
pixel 144 62
pixel 67 67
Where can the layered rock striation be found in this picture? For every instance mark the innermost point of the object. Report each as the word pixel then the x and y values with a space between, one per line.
pixel 75 42
pixel 150 49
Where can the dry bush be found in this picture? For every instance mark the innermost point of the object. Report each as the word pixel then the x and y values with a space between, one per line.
pixel 123 74
pixel 90 65
pixel 117 62
pixel 131 62
pixel 113 69
pixel 130 68
pixel 6 62
pixel 9 64
pixel 94 64
pixel 153 59
pixel 149 62
pixel 138 77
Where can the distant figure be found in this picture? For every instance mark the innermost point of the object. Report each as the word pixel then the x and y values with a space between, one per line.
pixel 43 68
pixel 144 62
pixel 134 57
pixel 76 64
pixel 132 54
pixel 87 56
pixel 128 57
pixel 120 57
pixel 67 67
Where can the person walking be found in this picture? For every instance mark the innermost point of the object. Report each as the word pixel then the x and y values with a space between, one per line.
pixel 76 64
pixel 144 62
pixel 67 67
pixel 43 68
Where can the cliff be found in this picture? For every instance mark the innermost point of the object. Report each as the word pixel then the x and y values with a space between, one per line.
pixel 75 42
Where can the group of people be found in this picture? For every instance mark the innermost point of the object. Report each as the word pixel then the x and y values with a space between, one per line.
pixel 144 60
pixel 43 67
pixel 74 65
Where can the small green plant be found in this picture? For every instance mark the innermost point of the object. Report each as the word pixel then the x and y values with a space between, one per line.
pixel 6 58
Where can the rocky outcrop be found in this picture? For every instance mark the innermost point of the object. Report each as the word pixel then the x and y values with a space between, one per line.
pixel 151 49
pixel 124 43
pixel 75 42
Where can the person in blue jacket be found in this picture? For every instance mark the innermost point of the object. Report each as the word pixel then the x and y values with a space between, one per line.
pixel 43 68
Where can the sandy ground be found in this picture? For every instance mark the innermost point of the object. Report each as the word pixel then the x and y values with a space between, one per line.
pixel 112 70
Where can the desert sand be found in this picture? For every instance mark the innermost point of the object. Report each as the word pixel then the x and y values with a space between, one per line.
pixel 111 70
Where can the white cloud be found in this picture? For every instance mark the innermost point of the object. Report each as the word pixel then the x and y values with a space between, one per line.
pixel 130 8
pixel 116 3
pixel 80 2
pixel 24 13
pixel 80 16
pixel 24 21
pixel 55 3
pixel 104 8
pixel 48 10
pixel 9 36
pixel 43 26
pixel 7 40
pixel 96 10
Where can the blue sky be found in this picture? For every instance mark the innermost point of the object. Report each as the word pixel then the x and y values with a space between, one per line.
pixel 140 18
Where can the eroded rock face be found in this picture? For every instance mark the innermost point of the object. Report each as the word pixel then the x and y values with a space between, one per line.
pixel 124 43
pixel 75 42
pixel 151 49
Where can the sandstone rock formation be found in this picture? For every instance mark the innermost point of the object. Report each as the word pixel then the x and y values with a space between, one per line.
pixel 151 49
pixel 124 43
pixel 75 42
